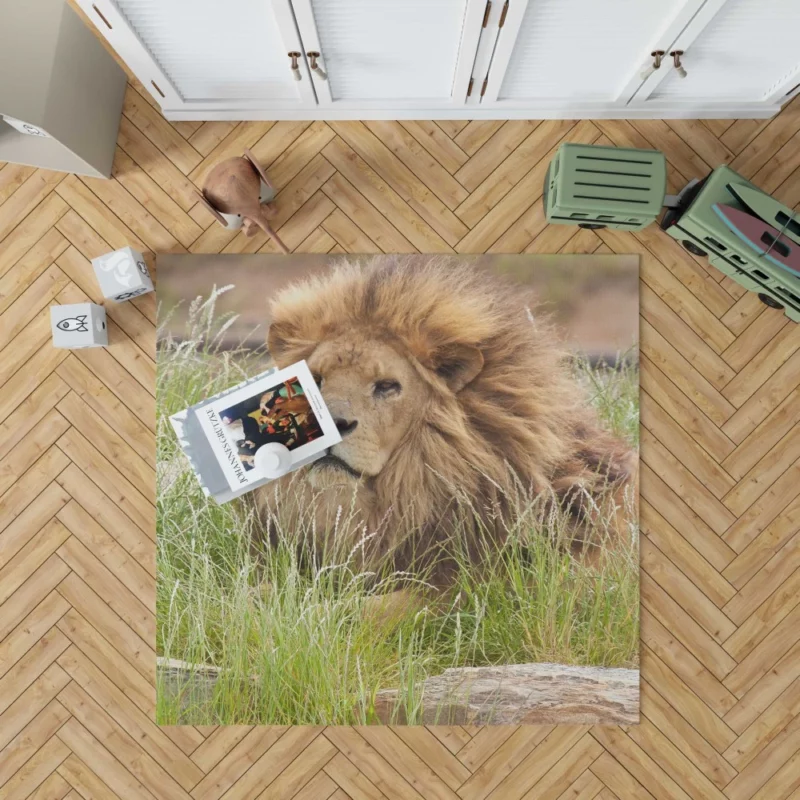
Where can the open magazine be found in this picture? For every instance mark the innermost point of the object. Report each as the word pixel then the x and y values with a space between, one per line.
pixel 279 410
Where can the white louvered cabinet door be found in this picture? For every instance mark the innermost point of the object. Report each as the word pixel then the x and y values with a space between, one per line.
pixel 553 54
pixel 206 54
pixel 735 51
pixel 390 53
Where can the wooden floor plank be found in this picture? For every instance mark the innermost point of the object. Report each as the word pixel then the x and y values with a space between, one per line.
pixel 761 696
pixel 12 176
pixel 299 153
pixel 30 303
pixel 475 134
pixel 681 408
pixel 720 505
pixel 33 671
pixel 160 132
pixel 30 539
pixel 110 445
pixel 434 754
pixel 17 280
pixel 505 759
pixel 209 135
pixel 37 769
pixel 681 552
pixel 30 230
pixel 26 198
pixel 691 707
pixel 100 616
pixel 94 393
pixel 351 203
pixel 639 764
pixel 691 635
pixel 236 762
pixel 152 197
pixel 686 665
pixel 28 638
pixel 696 460
pixel 77 740
pixel 437 143
pixel 126 603
pixel 157 165
pixel 427 169
pixel 500 180
pixel 385 198
pixel 84 781
pixel 30 738
pixel 767 615
pixel 121 745
pixel 660 459
pixel 677 733
pixel 769 725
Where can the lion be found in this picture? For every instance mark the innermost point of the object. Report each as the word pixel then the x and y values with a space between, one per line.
pixel 438 377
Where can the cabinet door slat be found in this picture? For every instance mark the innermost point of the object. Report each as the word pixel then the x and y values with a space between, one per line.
pixel 215 51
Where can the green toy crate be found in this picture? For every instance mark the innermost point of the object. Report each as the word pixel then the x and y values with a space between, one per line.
pixel 700 230
pixel 598 187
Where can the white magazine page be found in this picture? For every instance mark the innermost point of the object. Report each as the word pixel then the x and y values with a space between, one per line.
pixel 286 407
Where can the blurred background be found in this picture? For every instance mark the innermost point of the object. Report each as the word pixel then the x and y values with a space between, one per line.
pixel 593 298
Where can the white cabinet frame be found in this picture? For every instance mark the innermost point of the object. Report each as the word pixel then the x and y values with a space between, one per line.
pixel 633 99
pixel 678 38
pixel 123 38
pixel 678 35
pixel 484 53
pixel 776 95
pixel 470 33
pixel 487 45
pixel 662 40
pixel 115 29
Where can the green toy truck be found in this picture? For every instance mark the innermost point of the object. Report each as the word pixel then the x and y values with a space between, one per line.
pixel 610 187
pixel 702 232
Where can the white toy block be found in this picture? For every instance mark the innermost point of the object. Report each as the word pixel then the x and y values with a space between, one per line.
pixel 79 325
pixel 122 274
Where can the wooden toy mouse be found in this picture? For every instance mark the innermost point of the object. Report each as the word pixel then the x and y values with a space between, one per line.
pixel 237 193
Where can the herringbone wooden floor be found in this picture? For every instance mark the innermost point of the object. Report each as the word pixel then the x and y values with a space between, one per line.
pixel 720 471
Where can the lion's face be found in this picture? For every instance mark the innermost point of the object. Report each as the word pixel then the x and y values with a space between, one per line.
pixel 375 395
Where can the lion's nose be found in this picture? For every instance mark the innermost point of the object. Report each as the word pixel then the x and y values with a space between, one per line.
pixel 345 426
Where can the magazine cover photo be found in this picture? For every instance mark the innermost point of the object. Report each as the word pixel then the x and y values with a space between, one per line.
pixel 282 414
pixel 453 537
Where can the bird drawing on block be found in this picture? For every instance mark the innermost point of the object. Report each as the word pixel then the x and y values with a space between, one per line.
pixel 233 189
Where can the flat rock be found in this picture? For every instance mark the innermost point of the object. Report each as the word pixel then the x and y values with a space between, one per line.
pixel 527 694
pixel 534 694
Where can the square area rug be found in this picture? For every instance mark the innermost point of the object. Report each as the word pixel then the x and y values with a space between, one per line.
pixel 466 552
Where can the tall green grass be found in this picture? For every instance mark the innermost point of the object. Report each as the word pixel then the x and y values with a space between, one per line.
pixel 304 641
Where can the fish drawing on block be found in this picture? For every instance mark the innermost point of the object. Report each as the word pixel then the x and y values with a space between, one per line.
pixel 77 324
pixel 763 238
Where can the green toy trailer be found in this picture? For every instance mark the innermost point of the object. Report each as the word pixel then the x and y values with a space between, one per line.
pixel 701 230
pixel 605 187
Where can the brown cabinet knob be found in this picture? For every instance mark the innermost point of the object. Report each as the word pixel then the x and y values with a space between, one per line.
pixel 295 67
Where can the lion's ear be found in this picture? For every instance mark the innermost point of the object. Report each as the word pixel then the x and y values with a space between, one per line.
pixel 458 365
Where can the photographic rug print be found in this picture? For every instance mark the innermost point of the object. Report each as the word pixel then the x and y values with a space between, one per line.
pixel 463 549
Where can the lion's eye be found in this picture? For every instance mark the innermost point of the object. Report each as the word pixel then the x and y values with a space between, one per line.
pixel 317 379
pixel 386 388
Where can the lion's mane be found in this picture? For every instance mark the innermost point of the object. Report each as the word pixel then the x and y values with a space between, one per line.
pixel 523 419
